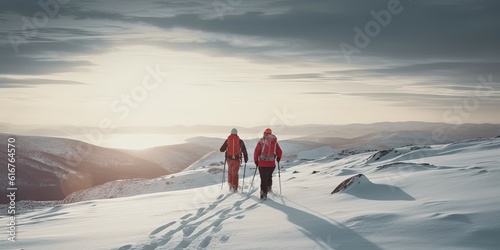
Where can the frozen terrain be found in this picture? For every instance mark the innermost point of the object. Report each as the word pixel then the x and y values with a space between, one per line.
pixel 415 197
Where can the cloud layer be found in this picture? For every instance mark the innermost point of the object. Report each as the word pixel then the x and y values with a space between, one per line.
pixel 397 51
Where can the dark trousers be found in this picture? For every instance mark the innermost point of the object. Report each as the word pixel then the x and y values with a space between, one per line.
pixel 266 178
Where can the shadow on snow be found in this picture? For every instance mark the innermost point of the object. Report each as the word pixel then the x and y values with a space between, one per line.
pixel 325 233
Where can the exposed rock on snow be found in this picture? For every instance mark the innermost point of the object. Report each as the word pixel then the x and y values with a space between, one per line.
pixel 363 188
pixel 348 182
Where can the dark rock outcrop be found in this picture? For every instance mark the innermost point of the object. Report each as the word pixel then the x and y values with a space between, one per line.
pixel 346 183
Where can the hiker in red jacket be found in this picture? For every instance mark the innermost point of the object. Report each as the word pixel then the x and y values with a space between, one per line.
pixel 267 152
pixel 234 148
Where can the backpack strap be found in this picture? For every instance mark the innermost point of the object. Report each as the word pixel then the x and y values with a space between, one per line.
pixel 231 140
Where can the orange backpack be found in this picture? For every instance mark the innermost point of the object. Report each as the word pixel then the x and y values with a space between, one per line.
pixel 233 146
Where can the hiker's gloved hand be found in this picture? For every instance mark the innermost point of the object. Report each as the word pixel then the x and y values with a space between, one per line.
pixel 257 164
pixel 278 159
pixel 246 160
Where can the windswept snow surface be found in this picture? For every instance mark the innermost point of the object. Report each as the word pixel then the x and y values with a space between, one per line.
pixel 438 197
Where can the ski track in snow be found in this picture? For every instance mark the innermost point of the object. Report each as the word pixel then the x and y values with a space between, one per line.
pixel 202 229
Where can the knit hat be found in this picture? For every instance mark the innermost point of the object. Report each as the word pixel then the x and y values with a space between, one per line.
pixel 268 131
pixel 234 131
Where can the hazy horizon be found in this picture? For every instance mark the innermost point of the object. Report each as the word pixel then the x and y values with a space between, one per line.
pixel 148 137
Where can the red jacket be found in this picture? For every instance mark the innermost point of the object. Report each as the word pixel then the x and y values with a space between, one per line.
pixel 264 163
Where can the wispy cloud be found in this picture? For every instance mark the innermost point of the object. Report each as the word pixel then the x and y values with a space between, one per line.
pixel 320 93
pixel 417 101
pixel 297 76
pixel 24 65
pixel 33 82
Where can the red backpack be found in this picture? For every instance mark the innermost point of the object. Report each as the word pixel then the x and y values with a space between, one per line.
pixel 268 151
pixel 233 146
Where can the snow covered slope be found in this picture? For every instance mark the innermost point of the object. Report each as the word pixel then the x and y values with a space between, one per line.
pixel 437 197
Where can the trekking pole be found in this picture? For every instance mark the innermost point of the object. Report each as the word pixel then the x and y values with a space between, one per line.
pixel 251 185
pixel 223 174
pixel 243 183
pixel 279 175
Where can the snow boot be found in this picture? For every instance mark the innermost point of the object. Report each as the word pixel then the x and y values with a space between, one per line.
pixel 263 195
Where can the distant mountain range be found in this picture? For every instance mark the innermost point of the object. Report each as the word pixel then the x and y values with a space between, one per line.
pixel 390 135
pixel 319 130
pixel 51 168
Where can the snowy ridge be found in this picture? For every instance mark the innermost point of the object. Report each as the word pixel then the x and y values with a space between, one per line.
pixel 124 188
pixel 440 197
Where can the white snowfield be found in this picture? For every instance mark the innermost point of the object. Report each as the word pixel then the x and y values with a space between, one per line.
pixel 437 197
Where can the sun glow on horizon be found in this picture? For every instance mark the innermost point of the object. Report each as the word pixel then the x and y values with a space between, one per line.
pixel 133 141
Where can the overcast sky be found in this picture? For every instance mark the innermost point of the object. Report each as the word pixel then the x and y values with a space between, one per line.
pixel 246 63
